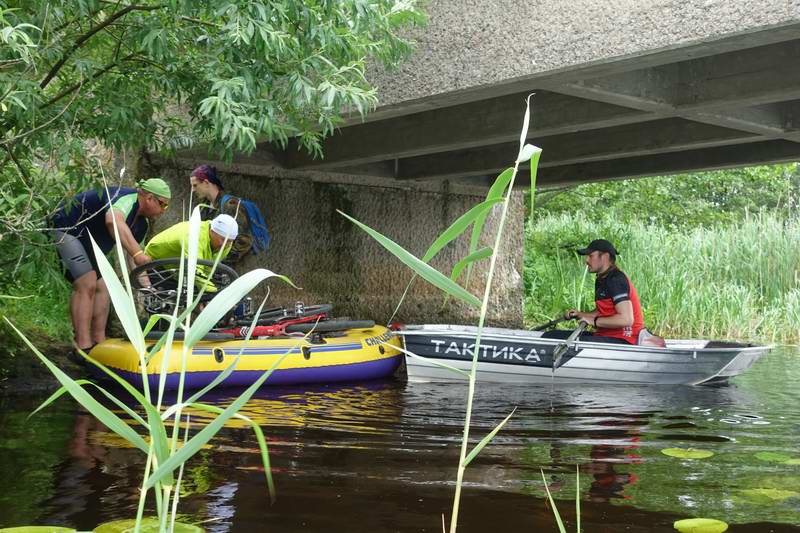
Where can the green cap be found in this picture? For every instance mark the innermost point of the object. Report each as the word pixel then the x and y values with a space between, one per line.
pixel 156 186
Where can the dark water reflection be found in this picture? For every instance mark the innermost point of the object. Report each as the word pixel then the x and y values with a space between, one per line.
pixel 382 457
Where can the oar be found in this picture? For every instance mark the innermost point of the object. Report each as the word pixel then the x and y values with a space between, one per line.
pixel 550 324
pixel 559 350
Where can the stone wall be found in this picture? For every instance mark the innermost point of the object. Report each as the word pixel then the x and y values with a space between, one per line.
pixel 336 262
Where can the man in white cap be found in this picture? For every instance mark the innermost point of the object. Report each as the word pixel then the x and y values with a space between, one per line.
pixel 212 235
pixel 222 230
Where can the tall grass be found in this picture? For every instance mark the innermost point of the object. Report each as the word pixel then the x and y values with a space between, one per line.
pixel 723 282
pixel 166 454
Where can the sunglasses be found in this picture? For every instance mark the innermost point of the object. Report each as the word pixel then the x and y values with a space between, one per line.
pixel 163 203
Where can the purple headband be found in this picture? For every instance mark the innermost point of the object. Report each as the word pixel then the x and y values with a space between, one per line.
pixel 207 173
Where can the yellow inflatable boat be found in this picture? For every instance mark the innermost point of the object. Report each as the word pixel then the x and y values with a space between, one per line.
pixel 354 355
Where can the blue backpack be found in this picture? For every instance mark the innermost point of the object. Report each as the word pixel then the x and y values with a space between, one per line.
pixel 258 227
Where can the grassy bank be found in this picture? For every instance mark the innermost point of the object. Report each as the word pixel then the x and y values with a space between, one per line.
pixel 733 281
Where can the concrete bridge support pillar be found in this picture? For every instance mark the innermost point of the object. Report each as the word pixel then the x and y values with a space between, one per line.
pixel 336 262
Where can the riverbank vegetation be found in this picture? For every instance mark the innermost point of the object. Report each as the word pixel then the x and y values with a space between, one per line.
pixel 713 255
pixel 82 82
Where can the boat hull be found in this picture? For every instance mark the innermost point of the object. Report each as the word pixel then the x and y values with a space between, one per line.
pixel 518 356
pixel 358 355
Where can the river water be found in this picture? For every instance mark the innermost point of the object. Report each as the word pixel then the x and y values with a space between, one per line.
pixel 382 456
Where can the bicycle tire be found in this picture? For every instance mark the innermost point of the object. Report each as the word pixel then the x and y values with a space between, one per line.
pixel 173 261
pixel 277 314
pixel 330 325
pixel 179 336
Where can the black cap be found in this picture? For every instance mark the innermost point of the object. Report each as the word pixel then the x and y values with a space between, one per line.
pixel 599 245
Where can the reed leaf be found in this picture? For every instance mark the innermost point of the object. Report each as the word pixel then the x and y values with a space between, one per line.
pixel 459 267
pixel 225 301
pixel 421 268
pixel 527 152
pixel 495 193
pixel 121 300
pixel 85 382
pixel 487 439
pixel 262 443
pixel 430 361
pixel 102 413
pixel 207 433
pixel 578 499
pixel 560 523
pixel 457 228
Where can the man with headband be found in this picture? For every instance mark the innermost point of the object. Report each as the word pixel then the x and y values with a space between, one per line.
pixel 93 213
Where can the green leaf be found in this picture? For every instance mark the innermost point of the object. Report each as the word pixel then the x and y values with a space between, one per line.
pixel 262 443
pixel 700 525
pixel 225 301
pixel 773 457
pixel 553 507
pixel 689 453
pixel 422 269
pixel 762 495
pixel 148 525
pixel 459 267
pixel 103 414
pixel 208 432
pixel 457 228
pixel 485 440
pixel 434 362
pixel 121 300
pixel 85 382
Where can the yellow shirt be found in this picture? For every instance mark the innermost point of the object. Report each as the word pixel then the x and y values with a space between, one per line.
pixel 168 244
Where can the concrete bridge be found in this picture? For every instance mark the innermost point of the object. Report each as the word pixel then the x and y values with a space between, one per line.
pixel 623 88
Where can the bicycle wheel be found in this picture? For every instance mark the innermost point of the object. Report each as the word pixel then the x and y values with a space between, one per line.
pixel 162 274
pixel 332 325
pixel 275 315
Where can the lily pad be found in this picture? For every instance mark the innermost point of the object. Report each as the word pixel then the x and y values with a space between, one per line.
pixel 700 525
pixel 773 457
pixel 37 529
pixel 761 495
pixel 688 453
pixel 149 525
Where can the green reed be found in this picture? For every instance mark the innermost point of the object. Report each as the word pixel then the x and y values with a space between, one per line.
pixel 728 282
pixel 500 195
pixel 166 453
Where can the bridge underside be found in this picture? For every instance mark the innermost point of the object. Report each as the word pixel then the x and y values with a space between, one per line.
pixel 726 103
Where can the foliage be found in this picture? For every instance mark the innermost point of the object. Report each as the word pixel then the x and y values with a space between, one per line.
pixel 166 454
pixel 724 281
pixel 685 201
pixel 78 78
pixel 499 193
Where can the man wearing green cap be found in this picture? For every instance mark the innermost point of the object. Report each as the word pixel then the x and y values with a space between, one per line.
pixel 92 213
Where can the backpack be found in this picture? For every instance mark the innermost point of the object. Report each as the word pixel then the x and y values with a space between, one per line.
pixel 258 228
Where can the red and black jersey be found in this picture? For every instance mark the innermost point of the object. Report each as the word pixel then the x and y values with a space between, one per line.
pixel 610 289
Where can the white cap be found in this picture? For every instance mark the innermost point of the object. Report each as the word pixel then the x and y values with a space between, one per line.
pixel 225 226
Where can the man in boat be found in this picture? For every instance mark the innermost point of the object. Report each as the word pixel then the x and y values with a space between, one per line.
pixel 617 317
pixel 94 213
pixel 253 234
pixel 214 235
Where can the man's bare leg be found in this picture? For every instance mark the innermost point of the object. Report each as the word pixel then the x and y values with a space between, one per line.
pixel 81 308
pixel 100 312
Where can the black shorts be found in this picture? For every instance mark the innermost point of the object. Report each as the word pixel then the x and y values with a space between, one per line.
pixel 77 255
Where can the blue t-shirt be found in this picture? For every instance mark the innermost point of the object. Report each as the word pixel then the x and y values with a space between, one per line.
pixel 85 214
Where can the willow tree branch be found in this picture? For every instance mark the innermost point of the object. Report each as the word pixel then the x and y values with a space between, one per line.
pixel 89 34
pixel 7 142
pixel 94 77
